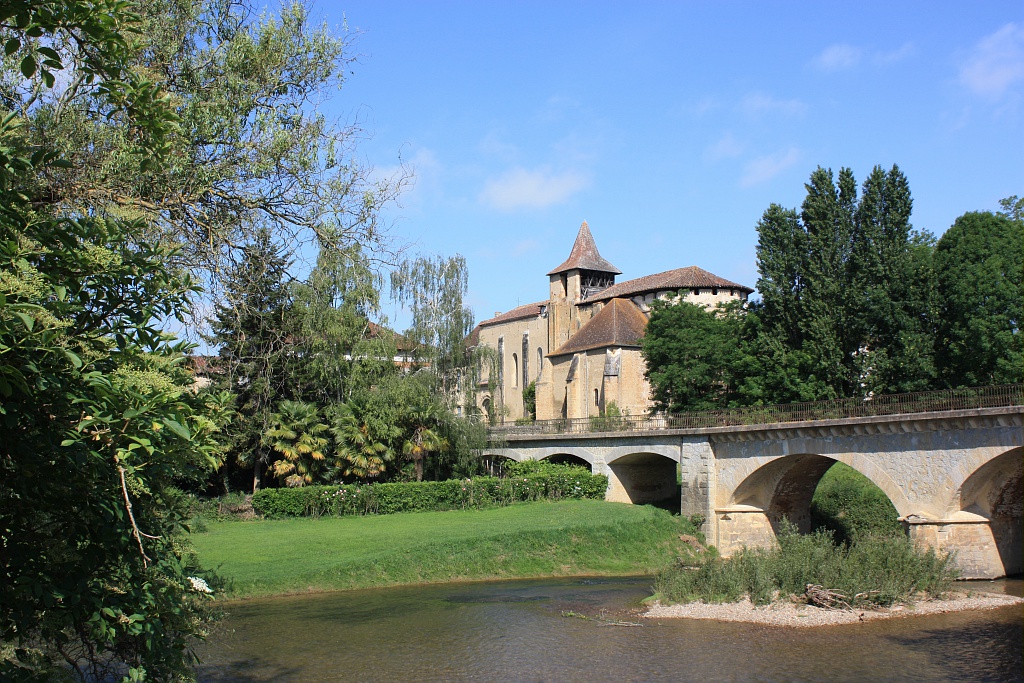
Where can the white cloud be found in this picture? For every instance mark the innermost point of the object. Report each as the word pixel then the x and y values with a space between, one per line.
pixel 837 57
pixel 493 145
pixel 996 63
pixel 703 106
pixel 727 147
pixel 764 168
pixel 756 104
pixel 538 188
pixel 893 56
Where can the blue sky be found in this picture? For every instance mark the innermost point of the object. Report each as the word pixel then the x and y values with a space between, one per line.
pixel 670 127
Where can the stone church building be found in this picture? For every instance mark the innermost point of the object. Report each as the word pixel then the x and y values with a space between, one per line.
pixel 582 344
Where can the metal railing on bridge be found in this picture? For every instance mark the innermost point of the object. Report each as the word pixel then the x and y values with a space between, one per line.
pixel 889 404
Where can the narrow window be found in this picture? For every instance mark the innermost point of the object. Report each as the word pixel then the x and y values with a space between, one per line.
pixel 597 398
pixel 540 361
pixel 515 370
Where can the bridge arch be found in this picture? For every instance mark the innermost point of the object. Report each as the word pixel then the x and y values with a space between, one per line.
pixel 773 489
pixel 494 464
pixel 569 459
pixel 990 503
pixel 556 453
pixel 644 476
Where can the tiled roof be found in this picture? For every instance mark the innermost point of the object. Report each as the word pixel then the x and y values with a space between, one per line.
pixel 375 331
pixel 619 323
pixel 680 278
pixel 584 255
pixel 523 312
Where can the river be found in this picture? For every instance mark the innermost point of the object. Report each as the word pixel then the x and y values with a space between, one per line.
pixel 517 631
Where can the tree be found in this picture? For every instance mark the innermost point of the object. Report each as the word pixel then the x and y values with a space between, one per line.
pixel 694 356
pixel 97 420
pixel 424 438
pixel 251 329
pixel 297 433
pixel 331 328
pixel 434 289
pixel 361 456
pixel 890 316
pixel 978 266
pixel 250 148
pixel 847 304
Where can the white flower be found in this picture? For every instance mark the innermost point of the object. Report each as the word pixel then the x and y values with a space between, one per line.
pixel 199 585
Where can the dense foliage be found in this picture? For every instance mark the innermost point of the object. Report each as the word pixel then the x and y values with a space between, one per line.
pixel 556 482
pixel 979 267
pixel 849 505
pixel 853 303
pixel 873 570
pixel 98 419
pixel 695 356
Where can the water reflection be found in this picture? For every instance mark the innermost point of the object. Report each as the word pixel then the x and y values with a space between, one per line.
pixel 515 631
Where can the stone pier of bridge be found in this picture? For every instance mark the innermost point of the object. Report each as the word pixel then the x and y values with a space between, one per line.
pixel 954 477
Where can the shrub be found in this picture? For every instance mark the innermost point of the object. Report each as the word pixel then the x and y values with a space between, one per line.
pixel 872 570
pixel 546 482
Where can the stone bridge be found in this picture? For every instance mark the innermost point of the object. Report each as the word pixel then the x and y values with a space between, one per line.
pixel 954 476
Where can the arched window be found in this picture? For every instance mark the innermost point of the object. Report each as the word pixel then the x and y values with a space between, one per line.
pixel 515 370
pixel 597 398
pixel 540 361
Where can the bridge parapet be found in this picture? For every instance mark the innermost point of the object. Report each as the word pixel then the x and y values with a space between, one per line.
pixel 947 400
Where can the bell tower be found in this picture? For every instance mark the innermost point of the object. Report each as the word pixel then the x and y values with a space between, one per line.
pixel 582 275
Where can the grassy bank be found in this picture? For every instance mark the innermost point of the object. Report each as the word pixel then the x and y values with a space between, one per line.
pixel 578 537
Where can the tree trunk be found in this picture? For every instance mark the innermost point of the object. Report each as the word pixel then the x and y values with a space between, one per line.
pixel 419 468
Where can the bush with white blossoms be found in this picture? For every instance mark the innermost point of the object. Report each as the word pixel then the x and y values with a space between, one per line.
pixel 199 584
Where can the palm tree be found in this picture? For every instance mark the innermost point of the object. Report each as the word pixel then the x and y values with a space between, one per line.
pixel 424 440
pixel 296 433
pixel 359 454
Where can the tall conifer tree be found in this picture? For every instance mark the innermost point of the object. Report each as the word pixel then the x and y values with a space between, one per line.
pixel 251 330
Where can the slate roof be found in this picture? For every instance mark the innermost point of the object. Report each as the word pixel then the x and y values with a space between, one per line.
pixel 680 278
pixel 523 312
pixel 584 255
pixel 619 323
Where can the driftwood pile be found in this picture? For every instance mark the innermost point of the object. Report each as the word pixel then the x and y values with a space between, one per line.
pixel 819 596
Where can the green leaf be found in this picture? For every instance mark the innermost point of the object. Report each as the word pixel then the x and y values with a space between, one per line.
pixel 28 66
pixel 27 320
pixel 73 357
pixel 11 46
pixel 177 428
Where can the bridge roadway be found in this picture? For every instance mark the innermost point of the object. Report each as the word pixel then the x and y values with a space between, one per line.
pixel 954 476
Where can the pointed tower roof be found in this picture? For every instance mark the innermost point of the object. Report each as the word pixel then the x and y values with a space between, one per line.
pixel 585 256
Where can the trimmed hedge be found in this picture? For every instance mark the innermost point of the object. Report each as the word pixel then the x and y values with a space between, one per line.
pixel 454 494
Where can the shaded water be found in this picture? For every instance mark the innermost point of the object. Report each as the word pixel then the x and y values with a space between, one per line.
pixel 515 631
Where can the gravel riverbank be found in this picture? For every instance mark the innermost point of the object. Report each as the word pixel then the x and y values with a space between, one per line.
pixel 790 614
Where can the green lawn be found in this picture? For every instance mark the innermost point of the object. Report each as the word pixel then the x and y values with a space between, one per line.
pixel 579 537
